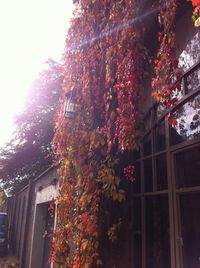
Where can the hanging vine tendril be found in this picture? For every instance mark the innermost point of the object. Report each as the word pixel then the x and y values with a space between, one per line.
pixel 103 65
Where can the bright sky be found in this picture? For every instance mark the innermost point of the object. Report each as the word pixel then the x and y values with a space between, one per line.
pixel 31 31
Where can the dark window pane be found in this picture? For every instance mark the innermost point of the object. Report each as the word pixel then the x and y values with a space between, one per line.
pixel 147 122
pixel 136 155
pixel 137 251
pixel 157 232
pixel 137 183
pixel 188 122
pixel 3 219
pixel 160 137
pixel 148 176
pixel 3 225
pixel 147 145
pixel 135 233
pixel 154 113
pixel 190 231
pixel 161 170
pixel 188 168
pixel 137 215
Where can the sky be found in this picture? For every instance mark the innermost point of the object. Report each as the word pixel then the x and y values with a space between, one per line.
pixel 31 31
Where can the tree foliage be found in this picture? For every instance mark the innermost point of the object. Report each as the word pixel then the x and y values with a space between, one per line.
pixel 29 153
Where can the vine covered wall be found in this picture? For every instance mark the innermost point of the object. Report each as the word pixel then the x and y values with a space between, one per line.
pixel 103 75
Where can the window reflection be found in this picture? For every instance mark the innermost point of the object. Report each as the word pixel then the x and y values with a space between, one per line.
pixel 193 80
pixel 191 53
pixel 189 57
pixel 188 122
pixel 160 110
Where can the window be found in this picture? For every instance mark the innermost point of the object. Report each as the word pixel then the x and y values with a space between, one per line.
pixel 166 205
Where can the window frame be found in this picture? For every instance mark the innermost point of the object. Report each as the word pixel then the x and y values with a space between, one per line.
pixel 170 151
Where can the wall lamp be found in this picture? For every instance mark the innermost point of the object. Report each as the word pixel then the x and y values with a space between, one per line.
pixel 70 105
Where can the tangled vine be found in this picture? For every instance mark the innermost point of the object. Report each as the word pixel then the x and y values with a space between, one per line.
pixel 167 83
pixel 196 13
pixel 103 72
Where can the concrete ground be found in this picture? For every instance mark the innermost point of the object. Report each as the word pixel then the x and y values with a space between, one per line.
pixel 8 262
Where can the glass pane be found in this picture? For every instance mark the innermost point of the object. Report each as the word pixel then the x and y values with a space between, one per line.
pixel 147 145
pixel 188 168
pixel 137 215
pixel 137 251
pixel 3 219
pixel 3 225
pixel 188 122
pixel 147 122
pixel 148 176
pixel 136 155
pixel 137 182
pixel 190 231
pixel 160 137
pixel 160 110
pixel 193 80
pixel 157 232
pixel 135 233
pixel 188 41
pixel 190 53
pixel 161 170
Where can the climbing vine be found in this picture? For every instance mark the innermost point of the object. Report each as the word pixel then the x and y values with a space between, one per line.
pixel 103 66
pixel 196 13
pixel 103 73
pixel 166 84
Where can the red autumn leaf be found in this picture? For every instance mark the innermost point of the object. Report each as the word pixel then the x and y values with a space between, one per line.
pixel 172 121
pixel 196 3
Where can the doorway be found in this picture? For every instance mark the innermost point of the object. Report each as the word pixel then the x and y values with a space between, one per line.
pixel 43 231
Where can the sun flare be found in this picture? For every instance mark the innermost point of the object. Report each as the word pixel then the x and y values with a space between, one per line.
pixel 31 32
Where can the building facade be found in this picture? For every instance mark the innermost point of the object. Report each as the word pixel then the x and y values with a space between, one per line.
pixel 160 218
pixel 31 222
pixel 166 194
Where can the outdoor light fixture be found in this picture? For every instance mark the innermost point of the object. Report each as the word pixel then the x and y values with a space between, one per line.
pixel 70 106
